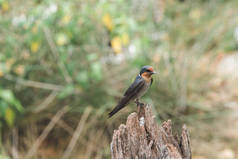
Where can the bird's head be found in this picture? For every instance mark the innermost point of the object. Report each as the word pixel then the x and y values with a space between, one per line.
pixel 147 71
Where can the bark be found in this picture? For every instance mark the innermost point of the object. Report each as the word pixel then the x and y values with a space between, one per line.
pixel 142 138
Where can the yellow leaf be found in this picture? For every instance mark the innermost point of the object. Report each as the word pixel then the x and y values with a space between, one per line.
pixel 1 73
pixel 107 21
pixel 9 116
pixel 61 39
pixel 5 6
pixel 19 70
pixel 34 29
pixel 195 14
pixel 116 44
pixel 35 46
pixel 125 39
pixel 9 63
pixel 66 19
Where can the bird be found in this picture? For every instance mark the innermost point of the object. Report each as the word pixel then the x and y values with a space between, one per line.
pixel 137 89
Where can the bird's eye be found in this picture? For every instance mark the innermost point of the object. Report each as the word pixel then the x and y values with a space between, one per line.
pixel 148 70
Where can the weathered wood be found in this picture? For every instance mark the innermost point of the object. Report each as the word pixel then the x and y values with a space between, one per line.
pixel 142 138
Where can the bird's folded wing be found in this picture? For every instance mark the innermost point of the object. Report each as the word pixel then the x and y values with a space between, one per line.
pixel 131 92
pixel 136 86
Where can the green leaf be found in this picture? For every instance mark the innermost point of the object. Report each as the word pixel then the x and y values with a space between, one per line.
pixel 68 90
pixel 96 71
pixel 2 57
pixel 9 116
pixel 82 78
pixel 3 107
pixel 4 157
pixel 9 97
pixel 92 57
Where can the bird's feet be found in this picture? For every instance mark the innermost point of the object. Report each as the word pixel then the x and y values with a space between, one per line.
pixel 138 103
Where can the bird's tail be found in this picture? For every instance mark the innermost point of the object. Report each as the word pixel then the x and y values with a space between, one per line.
pixel 115 110
pixel 124 101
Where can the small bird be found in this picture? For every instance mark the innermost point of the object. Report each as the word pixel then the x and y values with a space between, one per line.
pixel 137 89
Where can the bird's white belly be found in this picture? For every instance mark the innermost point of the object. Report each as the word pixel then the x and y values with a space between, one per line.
pixel 143 90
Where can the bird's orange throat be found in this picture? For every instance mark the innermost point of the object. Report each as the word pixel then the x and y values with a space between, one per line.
pixel 146 76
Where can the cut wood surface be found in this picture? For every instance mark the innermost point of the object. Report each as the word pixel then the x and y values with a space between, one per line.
pixel 143 138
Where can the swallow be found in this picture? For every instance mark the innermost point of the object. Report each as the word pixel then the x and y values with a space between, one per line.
pixel 137 89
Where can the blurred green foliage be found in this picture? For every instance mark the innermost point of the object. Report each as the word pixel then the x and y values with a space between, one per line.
pixel 8 102
pixel 4 157
pixel 85 54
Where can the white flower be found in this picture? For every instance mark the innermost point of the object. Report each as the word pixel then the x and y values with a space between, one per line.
pixel 50 10
pixel 132 51
pixel 115 59
pixel 236 34
pixel 19 20
pixel 118 58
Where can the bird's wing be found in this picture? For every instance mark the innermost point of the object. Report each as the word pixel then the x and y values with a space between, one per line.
pixel 135 86
pixel 131 92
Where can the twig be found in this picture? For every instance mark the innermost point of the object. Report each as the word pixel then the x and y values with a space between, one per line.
pixel 93 145
pixel 170 69
pixel 183 81
pixel 46 102
pixel 34 84
pixel 76 134
pixel 15 143
pixel 46 131
pixel 61 123
pixel 56 54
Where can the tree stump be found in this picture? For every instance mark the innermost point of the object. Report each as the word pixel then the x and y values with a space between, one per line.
pixel 142 138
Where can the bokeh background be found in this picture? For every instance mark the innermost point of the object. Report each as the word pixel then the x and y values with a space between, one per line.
pixel 65 64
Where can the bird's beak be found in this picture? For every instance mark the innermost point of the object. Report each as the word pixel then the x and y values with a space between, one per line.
pixel 153 73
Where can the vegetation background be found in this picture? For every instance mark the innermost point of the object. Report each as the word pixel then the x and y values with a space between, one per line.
pixel 65 64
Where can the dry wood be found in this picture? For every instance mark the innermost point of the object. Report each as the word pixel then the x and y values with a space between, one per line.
pixel 142 138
